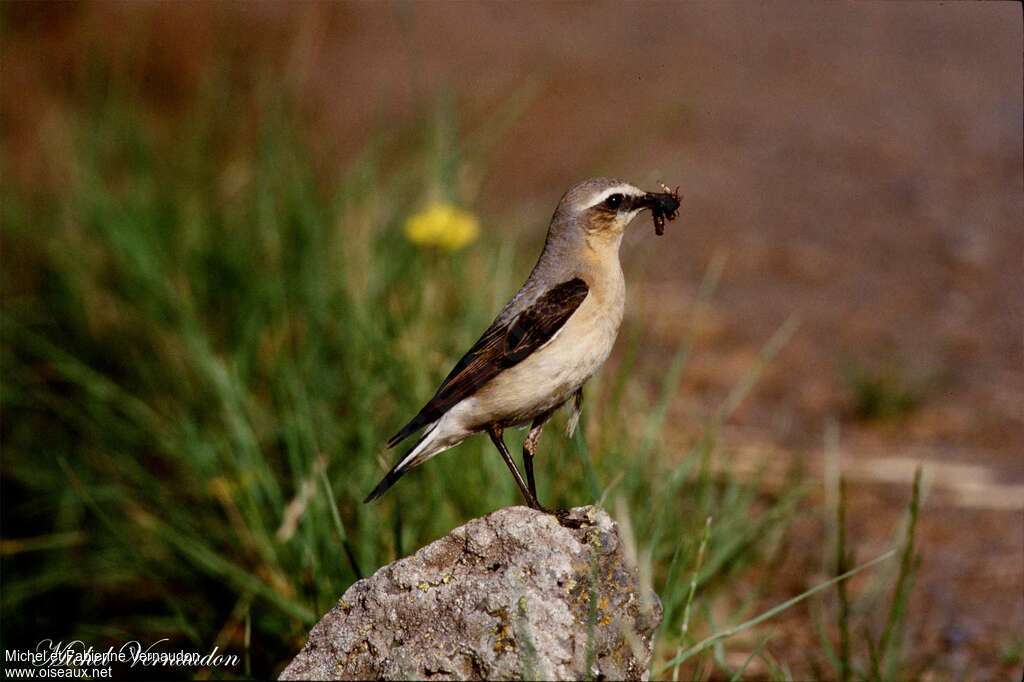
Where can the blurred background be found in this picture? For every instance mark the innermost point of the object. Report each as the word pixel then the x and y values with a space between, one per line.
pixel 214 315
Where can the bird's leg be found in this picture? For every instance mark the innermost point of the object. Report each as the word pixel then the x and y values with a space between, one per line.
pixel 495 432
pixel 530 449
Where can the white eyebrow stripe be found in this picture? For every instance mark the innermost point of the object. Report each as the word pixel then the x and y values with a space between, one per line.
pixel 598 197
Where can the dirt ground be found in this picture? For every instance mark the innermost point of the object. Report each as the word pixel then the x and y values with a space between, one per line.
pixel 858 166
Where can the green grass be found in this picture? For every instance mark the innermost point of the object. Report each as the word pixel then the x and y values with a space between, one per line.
pixel 885 392
pixel 206 342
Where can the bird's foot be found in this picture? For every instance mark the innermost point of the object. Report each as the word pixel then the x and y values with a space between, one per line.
pixel 567 520
pixel 565 517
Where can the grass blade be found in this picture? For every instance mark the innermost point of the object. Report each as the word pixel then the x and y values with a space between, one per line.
pixel 729 632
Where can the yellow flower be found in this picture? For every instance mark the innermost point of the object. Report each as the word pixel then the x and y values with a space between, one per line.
pixel 442 224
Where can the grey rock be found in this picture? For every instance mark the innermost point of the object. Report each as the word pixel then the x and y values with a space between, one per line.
pixel 512 595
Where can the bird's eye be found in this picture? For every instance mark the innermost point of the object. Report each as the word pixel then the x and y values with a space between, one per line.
pixel 614 201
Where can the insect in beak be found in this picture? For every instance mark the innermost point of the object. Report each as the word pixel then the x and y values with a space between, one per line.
pixel 664 206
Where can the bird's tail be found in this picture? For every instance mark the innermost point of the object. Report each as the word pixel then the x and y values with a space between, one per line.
pixel 426 447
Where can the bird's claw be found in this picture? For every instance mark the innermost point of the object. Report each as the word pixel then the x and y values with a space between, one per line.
pixel 567 520
pixel 563 516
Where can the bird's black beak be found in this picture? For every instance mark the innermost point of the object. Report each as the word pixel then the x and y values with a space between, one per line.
pixel 663 205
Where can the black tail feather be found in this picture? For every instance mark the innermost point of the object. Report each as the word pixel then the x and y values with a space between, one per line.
pixel 385 483
pixel 414 425
pixel 396 471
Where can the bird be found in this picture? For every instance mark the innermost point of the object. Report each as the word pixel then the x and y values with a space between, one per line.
pixel 547 341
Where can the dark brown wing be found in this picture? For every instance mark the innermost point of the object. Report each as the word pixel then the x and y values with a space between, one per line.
pixel 500 347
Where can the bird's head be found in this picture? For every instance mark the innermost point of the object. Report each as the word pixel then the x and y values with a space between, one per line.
pixel 603 207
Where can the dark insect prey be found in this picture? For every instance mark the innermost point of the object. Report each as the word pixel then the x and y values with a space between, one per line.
pixel 665 207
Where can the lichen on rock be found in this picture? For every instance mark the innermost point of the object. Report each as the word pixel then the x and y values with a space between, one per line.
pixel 512 595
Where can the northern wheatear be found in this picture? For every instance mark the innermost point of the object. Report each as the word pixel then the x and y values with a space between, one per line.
pixel 547 341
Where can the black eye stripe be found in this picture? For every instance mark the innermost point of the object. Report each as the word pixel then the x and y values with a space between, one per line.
pixel 615 201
